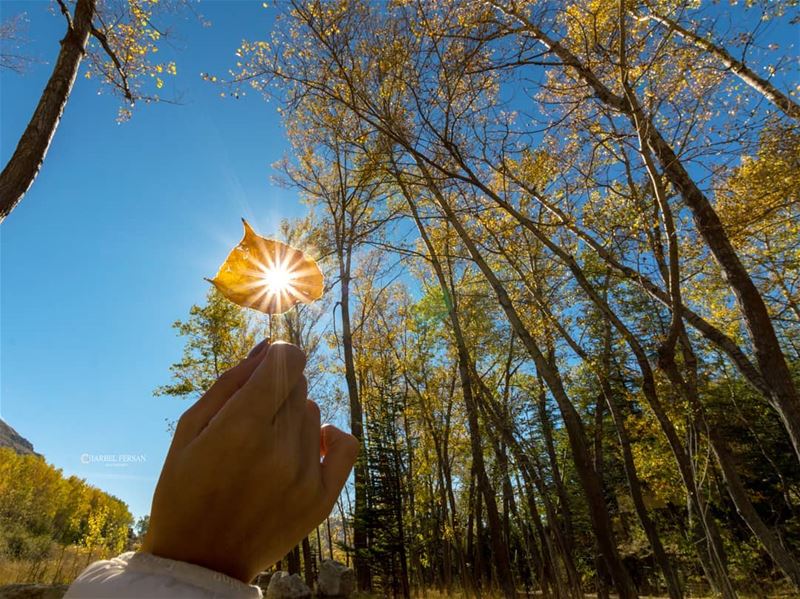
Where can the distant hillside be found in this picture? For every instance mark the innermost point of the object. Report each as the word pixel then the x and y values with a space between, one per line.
pixel 11 438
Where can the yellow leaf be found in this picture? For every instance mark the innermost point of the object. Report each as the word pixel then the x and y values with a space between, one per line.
pixel 268 275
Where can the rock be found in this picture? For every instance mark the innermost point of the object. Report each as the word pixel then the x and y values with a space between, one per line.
pixel 33 591
pixel 262 581
pixel 282 585
pixel 11 438
pixel 335 579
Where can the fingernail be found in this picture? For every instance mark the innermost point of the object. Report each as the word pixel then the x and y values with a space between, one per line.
pixel 257 348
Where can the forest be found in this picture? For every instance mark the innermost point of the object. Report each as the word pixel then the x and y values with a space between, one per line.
pixel 562 309
pixel 51 525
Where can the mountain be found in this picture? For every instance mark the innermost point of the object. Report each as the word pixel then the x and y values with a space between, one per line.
pixel 11 438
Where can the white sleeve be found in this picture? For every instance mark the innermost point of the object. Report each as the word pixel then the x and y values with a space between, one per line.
pixel 146 575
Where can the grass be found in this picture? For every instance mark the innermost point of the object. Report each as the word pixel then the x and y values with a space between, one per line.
pixel 457 594
pixel 60 566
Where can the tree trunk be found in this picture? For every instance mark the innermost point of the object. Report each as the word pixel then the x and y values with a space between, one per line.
pixel 319 544
pixel 538 559
pixel 330 536
pixel 782 558
pixel 768 352
pixel 499 549
pixel 402 556
pixel 501 559
pixel 360 538
pixel 308 563
pixel 472 515
pixel 21 170
pixel 601 520
pixel 479 559
pixel 532 471
pixel 293 560
pixel 714 335
pixel 558 481
pixel 634 484
pixel 648 387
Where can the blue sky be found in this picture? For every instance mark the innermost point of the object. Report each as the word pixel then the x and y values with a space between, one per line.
pixel 111 244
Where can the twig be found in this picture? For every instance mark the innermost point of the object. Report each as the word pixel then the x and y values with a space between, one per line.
pixel 65 12
pixel 101 37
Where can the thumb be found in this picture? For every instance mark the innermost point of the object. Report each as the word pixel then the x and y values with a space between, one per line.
pixel 339 452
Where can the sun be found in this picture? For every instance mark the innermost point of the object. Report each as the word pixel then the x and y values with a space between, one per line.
pixel 277 280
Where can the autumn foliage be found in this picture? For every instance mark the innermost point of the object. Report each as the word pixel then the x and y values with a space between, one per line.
pixel 52 526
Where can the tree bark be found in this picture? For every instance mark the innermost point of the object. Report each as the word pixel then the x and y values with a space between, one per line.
pixel 632 477
pixel 531 470
pixel 360 538
pixel 558 481
pixel 782 558
pixel 499 549
pixel 725 344
pixel 601 520
pixel 308 563
pixel 21 170
pixel 716 551
pixel 634 484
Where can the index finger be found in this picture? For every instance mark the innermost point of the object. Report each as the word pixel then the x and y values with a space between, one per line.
pixel 197 417
pixel 270 384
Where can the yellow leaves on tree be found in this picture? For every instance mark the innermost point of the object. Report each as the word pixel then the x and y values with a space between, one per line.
pixel 38 504
pixel 122 52
pixel 268 275
pixel 763 191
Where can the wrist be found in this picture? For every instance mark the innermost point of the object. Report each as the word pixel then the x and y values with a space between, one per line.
pixel 228 566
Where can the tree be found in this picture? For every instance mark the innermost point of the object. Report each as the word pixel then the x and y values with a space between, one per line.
pixel 218 336
pixel 329 174
pixel 125 39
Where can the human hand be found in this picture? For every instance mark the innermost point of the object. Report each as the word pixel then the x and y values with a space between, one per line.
pixel 242 482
